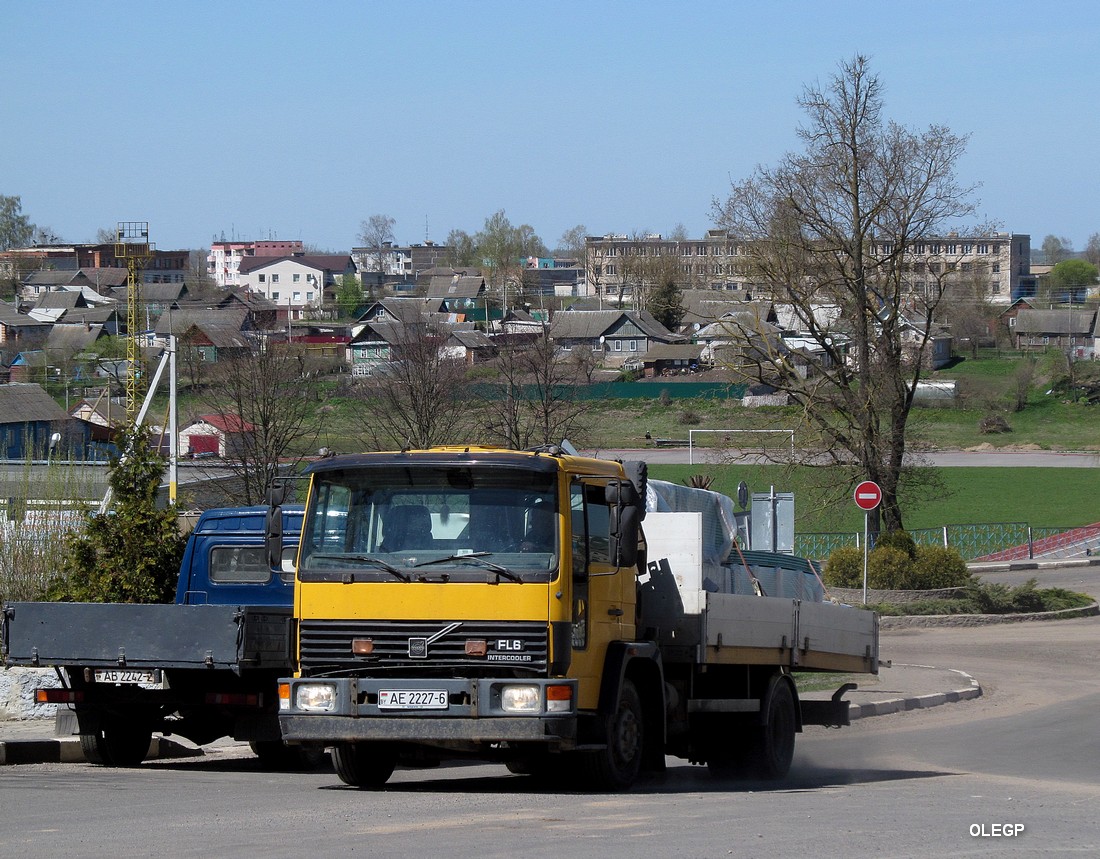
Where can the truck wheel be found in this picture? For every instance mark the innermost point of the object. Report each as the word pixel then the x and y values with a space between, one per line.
pixel 364 765
pixel 616 766
pixel 118 743
pixel 773 742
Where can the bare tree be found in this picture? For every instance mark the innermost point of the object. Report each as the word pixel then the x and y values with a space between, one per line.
pixel 267 399
pixel 1092 249
pixel 966 308
pixel 418 399
pixel 571 243
pixel 534 399
pixel 831 226
pixel 375 233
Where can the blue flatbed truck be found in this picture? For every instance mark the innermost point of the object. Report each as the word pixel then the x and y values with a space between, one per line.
pixel 204 667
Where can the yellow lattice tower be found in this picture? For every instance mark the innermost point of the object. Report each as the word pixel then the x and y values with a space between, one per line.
pixel 132 244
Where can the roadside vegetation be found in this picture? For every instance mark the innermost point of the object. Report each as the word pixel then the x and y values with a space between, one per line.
pixel 980 597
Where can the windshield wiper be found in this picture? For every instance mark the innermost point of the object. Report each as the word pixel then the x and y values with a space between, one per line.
pixel 478 559
pixel 365 559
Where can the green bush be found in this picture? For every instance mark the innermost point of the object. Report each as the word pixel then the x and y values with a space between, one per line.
pixel 939 567
pixel 897 540
pixel 889 569
pixel 844 568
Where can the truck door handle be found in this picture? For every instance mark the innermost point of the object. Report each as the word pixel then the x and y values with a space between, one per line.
pixel 615 612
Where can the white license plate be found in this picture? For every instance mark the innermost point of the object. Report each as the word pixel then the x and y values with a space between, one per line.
pixel 412 699
pixel 118 675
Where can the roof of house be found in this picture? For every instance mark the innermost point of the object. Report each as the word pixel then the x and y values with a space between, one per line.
pixel 404 309
pixel 224 423
pixel 591 324
pixel 472 339
pixel 50 277
pixel 24 402
pixel 674 352
pixel 321 262
pixel 1069 321
pixel 60 299
pixel 223 326
pixel 162 293
pixel 71 339
pixel 10 316
pixel 456 286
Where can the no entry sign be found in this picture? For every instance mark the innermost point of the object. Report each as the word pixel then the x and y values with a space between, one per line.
pixel 868 495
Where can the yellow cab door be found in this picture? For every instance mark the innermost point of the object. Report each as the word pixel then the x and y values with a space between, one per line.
pixel 603 597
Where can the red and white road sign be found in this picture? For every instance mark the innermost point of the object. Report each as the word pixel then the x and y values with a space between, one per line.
pixel 868 495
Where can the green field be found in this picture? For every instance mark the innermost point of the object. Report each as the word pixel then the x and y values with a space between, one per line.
pixel 1040 497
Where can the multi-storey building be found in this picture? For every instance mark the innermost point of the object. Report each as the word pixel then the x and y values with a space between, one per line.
pixel 297 285
pixel 224 261
pixel 399 262
pixel 162 267
pixel 621 266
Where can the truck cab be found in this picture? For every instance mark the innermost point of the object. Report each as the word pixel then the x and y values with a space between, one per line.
pixel 225 561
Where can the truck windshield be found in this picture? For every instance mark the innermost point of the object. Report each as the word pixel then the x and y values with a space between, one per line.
pixel 431 524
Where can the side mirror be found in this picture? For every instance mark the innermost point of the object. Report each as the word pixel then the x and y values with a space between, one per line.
pixel 626 515
pixel 273 526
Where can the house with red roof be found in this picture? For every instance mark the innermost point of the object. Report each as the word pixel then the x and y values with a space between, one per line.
pixel 215 435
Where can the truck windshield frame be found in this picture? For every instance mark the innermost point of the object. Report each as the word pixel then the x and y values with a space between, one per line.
pixel 432 523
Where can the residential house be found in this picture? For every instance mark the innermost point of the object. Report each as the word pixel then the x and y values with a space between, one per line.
pixel 19 333
pixel 672 359
pixel 1006 319
pixel 297 285
pixel 208 336
pixel 459 293
pixel 517 321
pixel 613 335
pixel 1071 329
pixel 262 313
pixel 29 421
pixel 469 345
pixel 214 435
pixel 99 281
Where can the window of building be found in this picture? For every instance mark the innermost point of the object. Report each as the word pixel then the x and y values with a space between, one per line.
pixel 309 295
pixel 983 249
pixel 997 291
pixel 632 346
pixel 297 297
pixel 263 278
pixel 934 267
pixel 274 278
pixel 936 248
pixel 297 277
pixel 952 249
pixel 274 296
pixel 617 345
pixel 918 248
pixel 967 266
pixel 968 249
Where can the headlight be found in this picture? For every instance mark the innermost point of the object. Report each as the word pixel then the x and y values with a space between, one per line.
pixel 520 699
pixel 315 696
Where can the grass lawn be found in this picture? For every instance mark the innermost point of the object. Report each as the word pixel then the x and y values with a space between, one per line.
pixel 1041 497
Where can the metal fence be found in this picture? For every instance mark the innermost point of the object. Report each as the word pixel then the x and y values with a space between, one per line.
pixel 1002 541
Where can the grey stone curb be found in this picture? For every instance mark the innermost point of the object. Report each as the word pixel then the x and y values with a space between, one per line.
pixel 910 621
pixel 67 750
pixel 918 702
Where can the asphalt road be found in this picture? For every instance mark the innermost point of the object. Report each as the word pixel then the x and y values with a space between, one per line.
pixel 944 781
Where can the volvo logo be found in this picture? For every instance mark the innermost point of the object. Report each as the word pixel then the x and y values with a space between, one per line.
pixel 418 647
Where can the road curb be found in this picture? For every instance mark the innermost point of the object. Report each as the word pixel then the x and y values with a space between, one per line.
pixel 971 689
pixel 67 750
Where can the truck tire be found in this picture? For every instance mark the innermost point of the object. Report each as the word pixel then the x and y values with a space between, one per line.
pixel 118 743
pixel 772 748
pixel 616 766
pixel 364 765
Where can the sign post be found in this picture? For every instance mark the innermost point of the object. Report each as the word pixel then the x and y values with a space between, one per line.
pixel 868 496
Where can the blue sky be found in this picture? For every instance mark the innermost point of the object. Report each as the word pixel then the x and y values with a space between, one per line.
pixel 298 121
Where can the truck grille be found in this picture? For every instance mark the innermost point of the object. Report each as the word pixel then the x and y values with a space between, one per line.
pixel 326 646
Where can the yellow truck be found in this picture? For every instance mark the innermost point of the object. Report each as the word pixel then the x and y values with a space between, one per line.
pixel 512 606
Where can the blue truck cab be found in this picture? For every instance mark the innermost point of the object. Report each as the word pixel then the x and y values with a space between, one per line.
pixel 225 561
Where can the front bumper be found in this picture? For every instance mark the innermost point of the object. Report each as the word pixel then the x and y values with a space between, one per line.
pixel 473 714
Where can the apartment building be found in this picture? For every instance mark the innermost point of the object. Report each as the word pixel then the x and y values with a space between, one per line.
pixel 224 260
pixel 621 266
pixel 399 262
pixel 297 285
